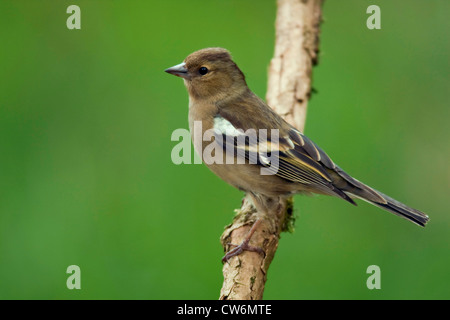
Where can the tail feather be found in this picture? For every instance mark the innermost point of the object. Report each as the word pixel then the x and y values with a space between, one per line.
pixel 356 189
pixel 398 209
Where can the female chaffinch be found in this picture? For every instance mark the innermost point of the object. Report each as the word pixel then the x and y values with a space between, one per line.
pixel 220 101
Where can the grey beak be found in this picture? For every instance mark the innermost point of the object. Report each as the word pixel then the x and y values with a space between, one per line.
pixel 179 70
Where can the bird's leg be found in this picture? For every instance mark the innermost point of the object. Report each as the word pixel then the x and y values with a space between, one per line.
pixel 244 246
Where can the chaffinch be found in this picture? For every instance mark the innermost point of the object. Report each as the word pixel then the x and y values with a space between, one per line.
pixel 221 102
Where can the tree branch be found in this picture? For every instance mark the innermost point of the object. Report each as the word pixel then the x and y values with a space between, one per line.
pixel 289 89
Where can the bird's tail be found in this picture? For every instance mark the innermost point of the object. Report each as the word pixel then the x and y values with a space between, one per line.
pixel 356 189
pixel 391 205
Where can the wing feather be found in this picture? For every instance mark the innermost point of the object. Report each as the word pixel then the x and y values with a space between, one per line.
pixel 299 159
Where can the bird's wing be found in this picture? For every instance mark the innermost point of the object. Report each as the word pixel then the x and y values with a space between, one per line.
pixel 288 154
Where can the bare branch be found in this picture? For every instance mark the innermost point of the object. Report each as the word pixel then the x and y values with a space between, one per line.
pixel 289 88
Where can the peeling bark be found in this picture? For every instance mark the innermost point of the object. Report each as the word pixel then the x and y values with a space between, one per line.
pixel 289 89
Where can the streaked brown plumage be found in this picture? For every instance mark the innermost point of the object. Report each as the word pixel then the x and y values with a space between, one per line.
pixel 218 95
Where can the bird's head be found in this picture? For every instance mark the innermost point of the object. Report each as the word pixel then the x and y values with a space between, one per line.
pixel 210 74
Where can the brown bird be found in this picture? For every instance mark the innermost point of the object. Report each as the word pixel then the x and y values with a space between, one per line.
pixel 221 102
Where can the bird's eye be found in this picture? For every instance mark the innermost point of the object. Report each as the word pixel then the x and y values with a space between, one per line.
pixel 203 71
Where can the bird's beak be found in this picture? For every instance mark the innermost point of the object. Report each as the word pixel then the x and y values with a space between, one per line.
pixel 179 70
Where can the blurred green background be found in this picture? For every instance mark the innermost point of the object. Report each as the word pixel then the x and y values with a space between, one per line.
pixel 86 176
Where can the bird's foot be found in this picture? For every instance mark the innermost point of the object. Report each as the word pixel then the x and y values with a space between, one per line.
pixel 244 246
